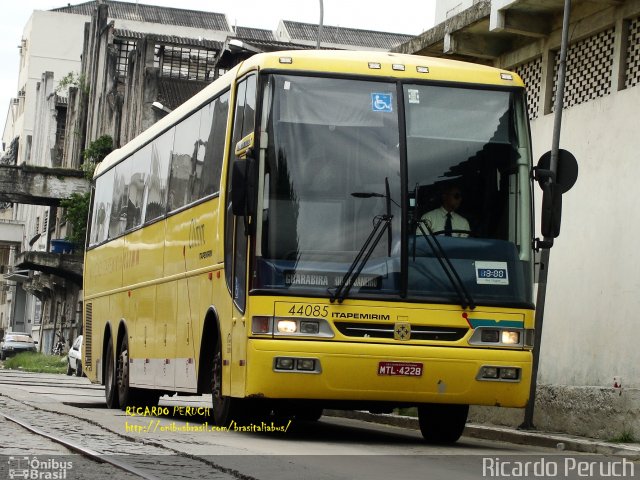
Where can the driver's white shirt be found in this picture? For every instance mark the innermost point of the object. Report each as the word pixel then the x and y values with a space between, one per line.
pixel 436 219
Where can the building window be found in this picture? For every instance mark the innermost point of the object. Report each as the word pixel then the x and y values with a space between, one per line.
pixel 531 74
pixel 125 47
pixel 633 54
pixel 184 62
pixel 589 67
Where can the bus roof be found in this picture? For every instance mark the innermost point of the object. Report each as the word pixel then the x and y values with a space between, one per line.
pixel 361 63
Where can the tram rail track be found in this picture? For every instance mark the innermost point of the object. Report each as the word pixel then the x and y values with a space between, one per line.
pixel 86 452
pixel 143 458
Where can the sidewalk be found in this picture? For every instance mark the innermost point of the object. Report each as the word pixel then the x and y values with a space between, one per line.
pixel 558 441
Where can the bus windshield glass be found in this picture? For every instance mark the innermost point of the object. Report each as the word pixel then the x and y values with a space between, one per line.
pixel 330 170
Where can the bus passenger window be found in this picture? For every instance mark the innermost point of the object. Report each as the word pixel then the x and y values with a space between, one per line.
pixel 158 177
pixel 185 167
pixel 212 136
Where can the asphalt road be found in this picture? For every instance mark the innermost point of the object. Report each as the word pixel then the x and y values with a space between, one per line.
pixel 180 441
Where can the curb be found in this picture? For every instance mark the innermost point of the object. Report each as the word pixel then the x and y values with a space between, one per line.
pixel 557 441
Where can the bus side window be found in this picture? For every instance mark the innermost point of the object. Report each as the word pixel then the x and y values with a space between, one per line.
pixel 184 161
pixel 213 128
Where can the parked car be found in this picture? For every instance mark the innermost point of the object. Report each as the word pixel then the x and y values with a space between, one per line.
pixel 16 342
pixel 74 358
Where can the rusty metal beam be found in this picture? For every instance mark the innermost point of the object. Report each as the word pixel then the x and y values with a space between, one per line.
pixel 39 185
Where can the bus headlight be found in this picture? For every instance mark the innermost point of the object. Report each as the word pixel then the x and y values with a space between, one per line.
pixel 290 327
pixel 510 337
pixel 497 337
pixel 309 327
pixel 287 326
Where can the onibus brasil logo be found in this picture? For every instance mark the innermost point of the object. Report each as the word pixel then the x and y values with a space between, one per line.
pixel 38 469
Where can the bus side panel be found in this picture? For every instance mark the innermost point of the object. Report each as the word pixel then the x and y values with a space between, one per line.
pixel 99 320
pixel 144 255
pixel 103 268
pixel 142 262
pixel 165 334
pixel 191 239
pixel 192 244
pixel 187 323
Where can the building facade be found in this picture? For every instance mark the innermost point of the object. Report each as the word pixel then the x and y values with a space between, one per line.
pixel 589 378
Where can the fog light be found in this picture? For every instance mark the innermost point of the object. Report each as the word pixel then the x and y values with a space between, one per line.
pixel 490 336
pixel 307 364
pixel 489 372
pixel 311 328
pixel 287 326
pixel 284 363
pixel 510 337
pixel 261 325
pixel 509 373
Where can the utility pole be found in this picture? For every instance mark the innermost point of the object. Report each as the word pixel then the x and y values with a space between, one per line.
pixel 320 25
pixel 527 424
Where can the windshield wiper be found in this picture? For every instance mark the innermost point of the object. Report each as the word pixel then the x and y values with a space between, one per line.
pixel 381 223
pixel 466 300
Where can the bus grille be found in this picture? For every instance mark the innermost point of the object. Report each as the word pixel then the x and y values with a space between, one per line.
pixel 385 330
pixel 88 320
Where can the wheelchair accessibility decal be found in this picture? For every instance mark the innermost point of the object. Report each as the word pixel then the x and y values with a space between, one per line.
pixel 382 102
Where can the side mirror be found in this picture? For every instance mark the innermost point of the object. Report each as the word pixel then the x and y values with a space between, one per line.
pixel 566 174
pixel 551 210
pixel 553 186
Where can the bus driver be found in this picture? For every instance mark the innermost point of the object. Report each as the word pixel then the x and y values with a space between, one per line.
pixel 445 219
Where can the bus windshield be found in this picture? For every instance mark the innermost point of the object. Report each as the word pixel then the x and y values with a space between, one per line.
pixel 332 168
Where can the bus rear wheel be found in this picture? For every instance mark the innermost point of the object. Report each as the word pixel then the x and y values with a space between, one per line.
pixel 122 374
pixel 110 389
pixel 225 409
pixel 442 423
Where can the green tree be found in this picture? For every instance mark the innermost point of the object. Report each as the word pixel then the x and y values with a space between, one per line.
pixel 76 207
pixel 76 213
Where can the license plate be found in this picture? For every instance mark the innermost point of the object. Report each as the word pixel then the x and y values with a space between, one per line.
pixel 406 369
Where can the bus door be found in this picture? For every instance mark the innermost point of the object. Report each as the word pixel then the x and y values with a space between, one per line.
pixel 236 244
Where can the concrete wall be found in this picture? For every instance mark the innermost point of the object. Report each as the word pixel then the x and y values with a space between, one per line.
pixel 447 8
pixel 590 332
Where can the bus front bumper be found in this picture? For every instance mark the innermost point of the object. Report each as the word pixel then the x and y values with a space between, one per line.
pixel 362 372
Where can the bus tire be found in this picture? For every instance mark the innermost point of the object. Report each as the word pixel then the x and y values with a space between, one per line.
pixel 309 414
pixel 226 410
pixel 125 396
pixel 110 388
pixel 442 423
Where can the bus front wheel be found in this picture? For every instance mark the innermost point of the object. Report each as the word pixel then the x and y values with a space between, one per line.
pixel 442 423
pixel 226 410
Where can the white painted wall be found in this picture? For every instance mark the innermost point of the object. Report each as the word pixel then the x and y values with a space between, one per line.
pixel 54 43
pixel 591 327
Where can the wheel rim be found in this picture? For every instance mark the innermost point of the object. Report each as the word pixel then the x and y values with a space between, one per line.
pixel 122 372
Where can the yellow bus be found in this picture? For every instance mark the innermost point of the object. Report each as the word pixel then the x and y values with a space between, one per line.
pixel 273 242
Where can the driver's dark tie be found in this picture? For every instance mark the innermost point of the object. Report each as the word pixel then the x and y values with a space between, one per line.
pixel 448 228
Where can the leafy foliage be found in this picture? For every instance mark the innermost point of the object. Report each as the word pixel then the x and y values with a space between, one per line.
pixel 72 79
pixel 95 153
pixel 77 212
pixel 77 205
